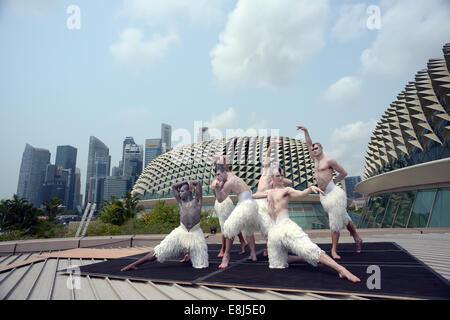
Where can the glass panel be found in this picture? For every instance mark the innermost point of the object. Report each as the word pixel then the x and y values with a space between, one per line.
pixel 378 208
pixel 391 210
pixel 440 218
pixel 422 209
pixel 404 209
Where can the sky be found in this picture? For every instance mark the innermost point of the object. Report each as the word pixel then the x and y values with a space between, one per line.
pixel 117 68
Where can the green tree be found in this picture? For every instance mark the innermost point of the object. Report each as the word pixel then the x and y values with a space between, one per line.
pixel 117 211
pixel 18 214
pixel 52 208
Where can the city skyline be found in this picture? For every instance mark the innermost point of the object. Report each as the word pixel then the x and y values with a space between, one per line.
pixel 133 65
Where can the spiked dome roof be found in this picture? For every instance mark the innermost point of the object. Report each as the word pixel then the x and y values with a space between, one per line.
pixel 245 157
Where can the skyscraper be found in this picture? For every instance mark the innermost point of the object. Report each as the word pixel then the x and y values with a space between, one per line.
pixel 78 197
pixel 152 150
pixel 56 184
pixel 132 162
pixel 127 140
pixel 32 173
pixel 97 150
pixel 166 137
pixel 350 183
pixel 66 157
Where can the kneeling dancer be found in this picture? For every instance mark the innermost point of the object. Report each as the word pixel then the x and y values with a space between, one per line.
pixel 287 236
pixel 188 237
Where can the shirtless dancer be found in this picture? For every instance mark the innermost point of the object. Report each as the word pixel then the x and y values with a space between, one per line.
pixel 223 211
pixel 244 217
pixel 265 183
pixel 335 200
pixel 188 237
pixel 287 236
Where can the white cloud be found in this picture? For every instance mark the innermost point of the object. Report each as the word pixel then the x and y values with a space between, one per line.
pixel 351 23
pixel 169 11
pixel 411 33
pixel 349 145
pixel 266 42
pixel 133 51
pixel 345 90
pixel 223 121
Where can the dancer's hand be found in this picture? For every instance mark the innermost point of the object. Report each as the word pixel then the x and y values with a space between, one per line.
pixel 302 128
pixel 317 190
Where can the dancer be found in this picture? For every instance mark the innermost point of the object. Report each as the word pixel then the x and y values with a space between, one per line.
pixel 244 217
pixel 265 183
pixel 287 236
pixel 223 211
pixel 188 237
pixel 335 200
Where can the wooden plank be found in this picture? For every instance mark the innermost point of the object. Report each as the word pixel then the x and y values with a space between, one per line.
pixel 80 253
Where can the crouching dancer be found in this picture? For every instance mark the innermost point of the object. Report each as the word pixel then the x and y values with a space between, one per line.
pixel 287 236
pixel 188 237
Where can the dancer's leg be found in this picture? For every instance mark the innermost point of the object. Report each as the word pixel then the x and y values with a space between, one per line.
pixel 134 266
pixel 226 255
pixel 222 249
pixel 358 241
pixel 243 243
pixel 251 244
pixel 343 272
pixel 335 240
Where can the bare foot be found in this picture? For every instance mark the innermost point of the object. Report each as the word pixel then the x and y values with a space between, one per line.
pixel 253 257
pixel 129 267
pixel 266 252
pixel 335 255
pixel 358 243
pixel 345 274
pixel 243 247
pixel 225 261
pixel 220 254
pixel 186 259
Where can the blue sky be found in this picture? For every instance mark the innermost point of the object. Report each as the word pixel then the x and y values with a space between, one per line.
pixel 134 64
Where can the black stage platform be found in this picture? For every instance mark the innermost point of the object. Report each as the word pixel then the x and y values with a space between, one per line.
pixel 401 274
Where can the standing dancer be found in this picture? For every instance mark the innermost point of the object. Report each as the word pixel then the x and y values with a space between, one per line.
pixel 188 237
pixel 335 200
pixel 244 217
pixel 287 236
pixel 223 211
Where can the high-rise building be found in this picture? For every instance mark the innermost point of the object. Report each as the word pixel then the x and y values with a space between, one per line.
pixel 126 141
pixel 78 197
pixel 203 134
pixel 97 150
pixel 116 187
pixel 66 157
pixel 32 173
pixel 132 162
pixel 152 150
pixel 166 137
pixel 350 183
pixel 56 184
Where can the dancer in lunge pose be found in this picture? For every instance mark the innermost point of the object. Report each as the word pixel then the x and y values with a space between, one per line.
pixel 270 167
pixel 287 236
pixel 188 237
pixel 335 200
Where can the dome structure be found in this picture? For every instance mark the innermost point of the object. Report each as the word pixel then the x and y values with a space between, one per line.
pixel 407 172
pixel 415 128
pixel 245 156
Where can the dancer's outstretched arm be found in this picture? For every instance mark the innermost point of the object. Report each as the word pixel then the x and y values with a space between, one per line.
pixel 298 194
pixel 307 138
